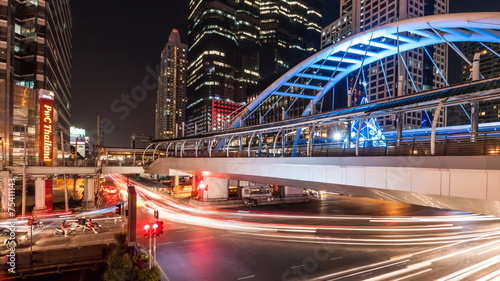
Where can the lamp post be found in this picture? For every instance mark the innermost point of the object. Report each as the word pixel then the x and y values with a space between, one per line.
pixel 23 198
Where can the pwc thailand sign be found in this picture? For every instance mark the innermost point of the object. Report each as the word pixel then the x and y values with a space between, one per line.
pixel 46 127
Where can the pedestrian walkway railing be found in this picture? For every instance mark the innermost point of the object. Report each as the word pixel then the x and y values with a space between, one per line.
pixel 486 143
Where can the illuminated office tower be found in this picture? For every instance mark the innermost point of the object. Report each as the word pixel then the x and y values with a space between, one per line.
pixel 489 67
pixel 237 48
pixel 35 73
pixel 360 15
pixel 171 97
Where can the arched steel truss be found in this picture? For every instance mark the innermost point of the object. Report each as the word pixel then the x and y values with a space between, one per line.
pixel 277 139
pixel 308 81
pixel 315 76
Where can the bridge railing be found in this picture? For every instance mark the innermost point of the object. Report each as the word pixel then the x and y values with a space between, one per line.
pixel 33 161
pixel 485 143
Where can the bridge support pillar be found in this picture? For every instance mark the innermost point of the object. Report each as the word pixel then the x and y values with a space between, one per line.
pixel 176 181
pixel 399 125
pixel 89 194
pixel 40 206
pixel 215 188
pixel 474 115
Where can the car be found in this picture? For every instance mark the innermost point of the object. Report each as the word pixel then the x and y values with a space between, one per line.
pixel 111 190
pixel 12 241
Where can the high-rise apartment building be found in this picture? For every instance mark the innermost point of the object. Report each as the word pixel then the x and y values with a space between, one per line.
pixel 360 15
pixel 35 64
pixel 238 47
pixel 171 97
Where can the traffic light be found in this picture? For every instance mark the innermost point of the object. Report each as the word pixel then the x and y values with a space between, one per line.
pixel 155 229
pixel 146 230
pixel 159 231
pixel 118 209
pixel 30 221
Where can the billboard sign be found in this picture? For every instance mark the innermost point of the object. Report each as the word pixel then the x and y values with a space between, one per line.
pixel 46 138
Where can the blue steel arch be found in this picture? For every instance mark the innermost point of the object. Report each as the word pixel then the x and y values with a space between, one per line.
pixel 364 48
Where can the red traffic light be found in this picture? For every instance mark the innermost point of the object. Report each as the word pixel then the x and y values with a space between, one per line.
pixel 155 229
pixel 146 230
pixel 160 227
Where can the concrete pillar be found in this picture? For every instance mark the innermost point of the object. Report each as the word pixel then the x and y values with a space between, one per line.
pixel 40 195
pixel 65 183
pixel 215 188
pixel 88 193
pixel 399 125
pixel 176 181
pixel 474 115
pixel 476 75
pixel 75 190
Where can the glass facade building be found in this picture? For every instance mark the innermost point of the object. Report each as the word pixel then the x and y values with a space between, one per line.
pixel 489 67
pixel 171 97
pixel 237 48
pixel 380 80
pixel 35 59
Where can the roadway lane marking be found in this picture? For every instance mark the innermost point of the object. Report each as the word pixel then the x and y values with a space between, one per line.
pixel 404 256
pixel 366 274
pixel 489 250
pixel 490 276
pixel 161 270
pixel 166 243
pixel 388 276
pixel 414 274
pixel 468 271
pixel 295 266
pixel 246 277
pixel 336 258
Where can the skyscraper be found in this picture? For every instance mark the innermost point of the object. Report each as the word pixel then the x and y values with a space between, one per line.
pixel 35 64
pixel 236 48
pixel 489 66
pixel 171 97
pixel 379 80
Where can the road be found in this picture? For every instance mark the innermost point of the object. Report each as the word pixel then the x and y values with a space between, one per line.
pixel 331 238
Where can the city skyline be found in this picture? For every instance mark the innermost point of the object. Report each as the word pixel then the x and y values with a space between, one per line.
pixel 120 58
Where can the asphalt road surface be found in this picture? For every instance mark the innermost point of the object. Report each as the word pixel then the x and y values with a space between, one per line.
pixel 330 238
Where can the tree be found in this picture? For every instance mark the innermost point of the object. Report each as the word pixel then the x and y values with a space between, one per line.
pixel 122 267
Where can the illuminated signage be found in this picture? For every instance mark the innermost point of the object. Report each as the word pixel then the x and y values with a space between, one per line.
pixel 46 127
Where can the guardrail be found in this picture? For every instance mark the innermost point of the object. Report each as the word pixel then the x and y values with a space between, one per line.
pixel 487 143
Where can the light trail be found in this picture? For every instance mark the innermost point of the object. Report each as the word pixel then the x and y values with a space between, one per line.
pixel 446 231
pixel 440 233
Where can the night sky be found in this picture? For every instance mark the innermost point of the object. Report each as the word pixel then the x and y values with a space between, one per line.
pixel 116 52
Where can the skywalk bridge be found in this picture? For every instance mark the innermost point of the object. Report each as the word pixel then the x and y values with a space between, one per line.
pixel 447 167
